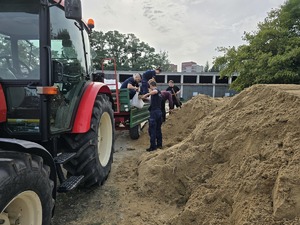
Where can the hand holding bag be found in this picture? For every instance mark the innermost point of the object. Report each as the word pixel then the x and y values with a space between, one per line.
pixel 139 103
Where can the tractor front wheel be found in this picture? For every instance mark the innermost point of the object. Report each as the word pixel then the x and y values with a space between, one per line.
pixel 94 149
pixel 25 190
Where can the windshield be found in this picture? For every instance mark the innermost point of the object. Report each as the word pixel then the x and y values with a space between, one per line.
pixel 19 40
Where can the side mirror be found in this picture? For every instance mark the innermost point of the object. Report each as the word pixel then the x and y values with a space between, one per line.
pixel 58 71
pixel 73 9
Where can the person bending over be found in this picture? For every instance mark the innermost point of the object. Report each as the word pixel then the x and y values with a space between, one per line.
pixel 132 83
pixel 166 96
pixel 147 76
pixel 174 91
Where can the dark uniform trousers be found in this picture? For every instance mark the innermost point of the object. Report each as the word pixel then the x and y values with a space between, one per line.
pixel 144 87
pixel 163 110
pixel 155 134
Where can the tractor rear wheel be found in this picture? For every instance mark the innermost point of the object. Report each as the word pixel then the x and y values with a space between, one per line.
pixel 94 149
pixel 25 189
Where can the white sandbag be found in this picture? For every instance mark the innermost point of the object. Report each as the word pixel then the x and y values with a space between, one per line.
pixel 139 103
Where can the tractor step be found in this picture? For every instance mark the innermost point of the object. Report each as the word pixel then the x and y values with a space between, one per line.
pixel 64 157
pixel 69 184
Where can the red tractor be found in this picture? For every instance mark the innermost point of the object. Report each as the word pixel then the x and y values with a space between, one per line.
pixel 56 123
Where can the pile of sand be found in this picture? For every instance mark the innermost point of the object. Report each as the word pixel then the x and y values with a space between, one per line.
pixel 181 123
pixel 238 163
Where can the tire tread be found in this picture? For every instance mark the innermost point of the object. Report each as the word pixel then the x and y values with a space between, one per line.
pixel 86 160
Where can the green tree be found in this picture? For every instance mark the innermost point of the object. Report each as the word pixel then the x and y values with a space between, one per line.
pixel 272 53
pixel 97 41
pixel 129 52
pixel 206 68
pixel 214 68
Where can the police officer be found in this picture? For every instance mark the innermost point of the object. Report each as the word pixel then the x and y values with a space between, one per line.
pixel 155 119
pixel 148 75
pixel 132 84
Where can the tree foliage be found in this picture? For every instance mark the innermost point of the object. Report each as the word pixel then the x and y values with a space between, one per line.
pixel 272 53
pixel 214 68
pixel 129 52
pixel 206 68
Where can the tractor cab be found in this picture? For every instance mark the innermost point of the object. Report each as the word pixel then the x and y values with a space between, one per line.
pixel 53 117
pixel 45 61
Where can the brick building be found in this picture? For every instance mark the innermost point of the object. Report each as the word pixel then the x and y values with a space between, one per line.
pixel 191 67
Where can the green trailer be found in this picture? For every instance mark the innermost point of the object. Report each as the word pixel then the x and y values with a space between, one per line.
pixel 128 117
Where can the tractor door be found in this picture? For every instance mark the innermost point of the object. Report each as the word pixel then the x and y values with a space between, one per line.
pixel 69 68
pixel 37 52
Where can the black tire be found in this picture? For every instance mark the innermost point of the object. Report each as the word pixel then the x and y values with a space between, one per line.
pixel 24 178
pixel 135 132
pixel 93 160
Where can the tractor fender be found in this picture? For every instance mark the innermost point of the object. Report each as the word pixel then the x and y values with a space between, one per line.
pixel 83 116
pixel 3 107
pixel 17 145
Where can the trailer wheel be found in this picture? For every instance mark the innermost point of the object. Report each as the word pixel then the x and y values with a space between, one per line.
pixel 25 189
pixel 135 132
pixel 95 148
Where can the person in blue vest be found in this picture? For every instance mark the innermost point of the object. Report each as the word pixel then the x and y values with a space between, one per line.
pixel 148 75
pixel 132 84
pixel 155 119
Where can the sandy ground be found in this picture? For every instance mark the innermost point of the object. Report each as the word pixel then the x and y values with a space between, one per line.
pixel 225 161
pixel 113 202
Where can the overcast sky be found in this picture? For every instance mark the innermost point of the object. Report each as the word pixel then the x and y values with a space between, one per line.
pixel 189 30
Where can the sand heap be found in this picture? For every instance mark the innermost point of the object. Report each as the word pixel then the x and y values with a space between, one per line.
pixel 181 123
pixel 240 163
